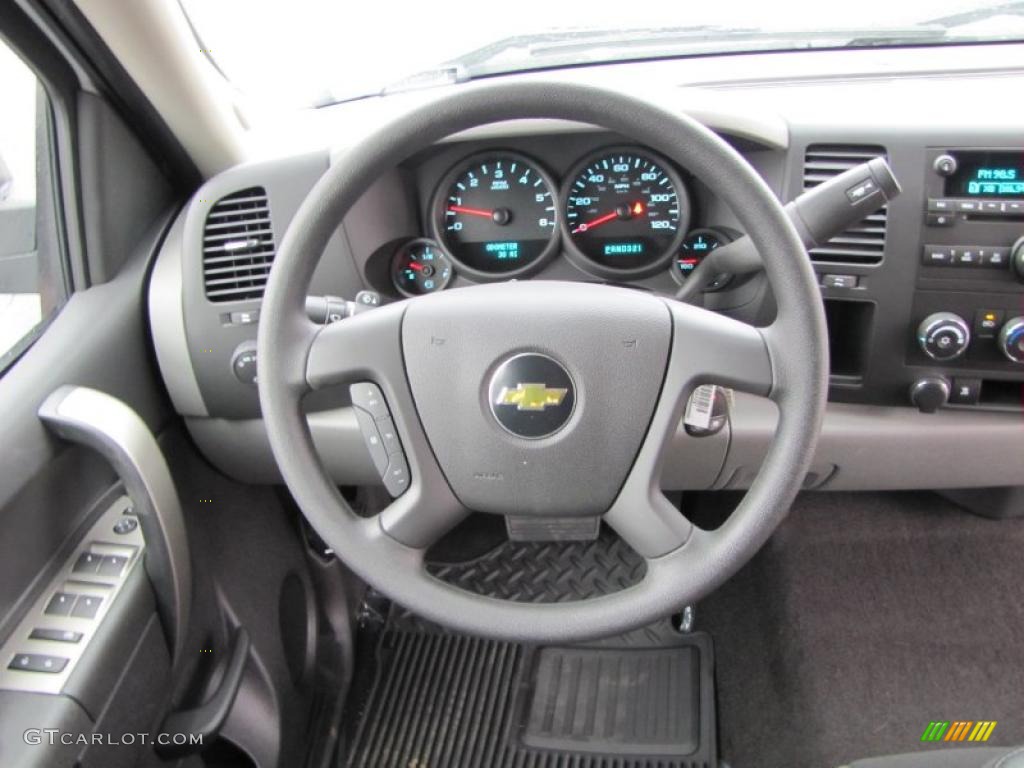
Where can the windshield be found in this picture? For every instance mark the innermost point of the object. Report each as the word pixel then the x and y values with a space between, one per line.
pixel 315 52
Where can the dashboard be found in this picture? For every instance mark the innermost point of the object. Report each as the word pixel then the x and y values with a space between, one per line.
pixel 924 298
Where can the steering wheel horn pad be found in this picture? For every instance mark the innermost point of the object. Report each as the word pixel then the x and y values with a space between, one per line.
pixel 632 358
pixel 455 343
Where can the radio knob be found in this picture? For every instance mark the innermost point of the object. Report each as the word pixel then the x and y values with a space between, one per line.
pixel 945 165
pixel 1011 339
pixel 1017 258
pixel 943 336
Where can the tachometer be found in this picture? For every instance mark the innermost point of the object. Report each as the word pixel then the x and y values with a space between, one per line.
pixel 496 215
pixel 420 267
pixel 626 212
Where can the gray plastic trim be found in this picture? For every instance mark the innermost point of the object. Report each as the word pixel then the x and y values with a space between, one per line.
pixel 114 430
pixel 167 324
pixel 948 449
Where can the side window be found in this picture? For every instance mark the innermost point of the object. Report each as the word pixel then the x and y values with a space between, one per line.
pixel 31 277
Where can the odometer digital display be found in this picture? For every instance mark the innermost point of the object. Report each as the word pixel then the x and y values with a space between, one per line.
pixel 496 215
pixel 626 211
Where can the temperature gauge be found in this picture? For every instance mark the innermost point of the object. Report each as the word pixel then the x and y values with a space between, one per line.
pixel 698 244
pixel 420 267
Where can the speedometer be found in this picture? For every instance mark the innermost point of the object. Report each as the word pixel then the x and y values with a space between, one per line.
pixel 626 212
pixel 496 215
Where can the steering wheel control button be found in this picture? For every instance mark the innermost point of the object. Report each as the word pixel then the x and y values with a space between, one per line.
pixel 389 436
pixel 125 525
pixel 368 397
pixel 373 440
pixel 86 607
pixel 943 336
pixel 396 479
pixel 55 635
pixel 38 662
pixel 531 396
pixel 380 436
pixel 60 604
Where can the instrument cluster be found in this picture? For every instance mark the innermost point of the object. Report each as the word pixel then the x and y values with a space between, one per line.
pixel 621 213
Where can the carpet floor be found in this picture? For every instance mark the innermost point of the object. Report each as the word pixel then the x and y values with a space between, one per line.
pixel 865 617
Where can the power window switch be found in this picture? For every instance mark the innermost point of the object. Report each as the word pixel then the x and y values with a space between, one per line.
pixel 87 562
pixel 60 604
pixel 38 662
pixel 55 635
pixel 113 565
pixel 86 607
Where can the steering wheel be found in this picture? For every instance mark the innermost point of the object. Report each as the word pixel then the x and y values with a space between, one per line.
pixel 620 363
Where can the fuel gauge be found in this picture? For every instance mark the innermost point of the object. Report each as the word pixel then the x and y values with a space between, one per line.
pixel 698 244
pixel 420 267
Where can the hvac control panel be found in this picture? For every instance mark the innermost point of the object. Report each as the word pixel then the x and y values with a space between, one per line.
pixel 968 306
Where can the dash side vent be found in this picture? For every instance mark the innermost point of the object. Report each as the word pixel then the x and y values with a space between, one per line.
pixel 238 246
pixel 864 242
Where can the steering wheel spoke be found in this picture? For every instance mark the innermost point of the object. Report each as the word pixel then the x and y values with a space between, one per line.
pixel 707 348
pixel 366 349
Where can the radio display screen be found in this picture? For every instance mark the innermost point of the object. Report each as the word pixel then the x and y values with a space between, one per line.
pixel 987 174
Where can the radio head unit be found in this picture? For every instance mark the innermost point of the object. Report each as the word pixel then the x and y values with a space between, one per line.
pixel 986 173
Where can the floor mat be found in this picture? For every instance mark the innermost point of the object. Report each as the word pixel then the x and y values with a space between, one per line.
pixel 863 619
pixel 442 699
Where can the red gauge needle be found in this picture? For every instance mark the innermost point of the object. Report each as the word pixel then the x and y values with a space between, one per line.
pixel 414 265
pixel 622 212
pixel 588 225
pixel 471 211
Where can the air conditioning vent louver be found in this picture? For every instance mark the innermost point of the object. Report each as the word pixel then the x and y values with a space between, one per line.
pixel 864 242
pixel 238 246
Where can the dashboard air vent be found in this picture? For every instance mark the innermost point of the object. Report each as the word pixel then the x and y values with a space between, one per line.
pixel 864 242
pixel 238 246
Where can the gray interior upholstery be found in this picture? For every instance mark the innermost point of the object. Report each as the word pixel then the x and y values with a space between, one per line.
pixel 976 757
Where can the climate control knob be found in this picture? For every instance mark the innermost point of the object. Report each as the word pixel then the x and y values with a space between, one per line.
pixel 1011 339
pixel 943 336
pixel 1017 259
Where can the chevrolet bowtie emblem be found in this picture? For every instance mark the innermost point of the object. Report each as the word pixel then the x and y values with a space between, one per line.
pixel 530 396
